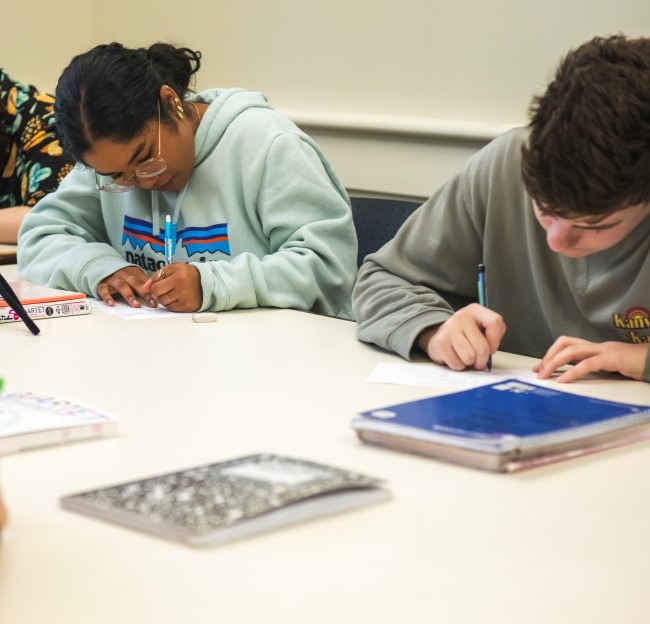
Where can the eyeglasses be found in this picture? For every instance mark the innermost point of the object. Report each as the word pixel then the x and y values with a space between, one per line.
pixel 148 169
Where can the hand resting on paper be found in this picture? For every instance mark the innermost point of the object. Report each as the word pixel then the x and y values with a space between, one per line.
pixel 614 357
pixel 129 284
pixel 465 340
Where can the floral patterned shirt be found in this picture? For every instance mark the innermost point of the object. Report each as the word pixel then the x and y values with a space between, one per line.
pixel 32 162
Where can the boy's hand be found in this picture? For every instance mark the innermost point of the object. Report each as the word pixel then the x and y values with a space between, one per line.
pixel 466 340
pixel 614 357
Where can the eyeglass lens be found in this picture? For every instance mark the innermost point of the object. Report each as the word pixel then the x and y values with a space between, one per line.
pixel 148 169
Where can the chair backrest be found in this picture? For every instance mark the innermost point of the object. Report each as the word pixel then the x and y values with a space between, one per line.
pixel 377 221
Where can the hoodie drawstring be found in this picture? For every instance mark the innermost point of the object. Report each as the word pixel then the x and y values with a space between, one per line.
pixel 155 210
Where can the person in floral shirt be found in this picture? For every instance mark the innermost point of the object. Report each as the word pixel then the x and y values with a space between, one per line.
pixel 32 162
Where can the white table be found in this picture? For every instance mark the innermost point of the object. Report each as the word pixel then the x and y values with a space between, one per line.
pixel 565 543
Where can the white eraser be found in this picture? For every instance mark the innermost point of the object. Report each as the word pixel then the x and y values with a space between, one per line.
pixel 204 317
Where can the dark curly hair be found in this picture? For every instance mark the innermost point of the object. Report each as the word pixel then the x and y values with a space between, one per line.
pixel 588 153
pixel 111 92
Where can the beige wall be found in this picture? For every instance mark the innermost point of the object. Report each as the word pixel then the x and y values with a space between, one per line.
pixel 398 92
pixel 39 38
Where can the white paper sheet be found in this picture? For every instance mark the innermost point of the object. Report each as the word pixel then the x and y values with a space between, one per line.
pixel 125 311
pixel 436 376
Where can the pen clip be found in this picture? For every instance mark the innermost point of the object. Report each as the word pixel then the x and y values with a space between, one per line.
pixel 482 290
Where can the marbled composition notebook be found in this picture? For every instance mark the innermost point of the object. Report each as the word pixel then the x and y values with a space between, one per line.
pixel 225 501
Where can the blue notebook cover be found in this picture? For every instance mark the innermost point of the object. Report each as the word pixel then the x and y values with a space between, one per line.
pixel 503 416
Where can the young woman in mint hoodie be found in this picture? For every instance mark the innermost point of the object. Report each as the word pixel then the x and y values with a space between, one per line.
pixel 260 217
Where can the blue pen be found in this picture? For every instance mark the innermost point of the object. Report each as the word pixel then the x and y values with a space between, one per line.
pixel 170 239
pixel 482 299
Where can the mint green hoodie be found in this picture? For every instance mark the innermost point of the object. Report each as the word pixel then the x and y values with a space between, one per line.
pixel 263 218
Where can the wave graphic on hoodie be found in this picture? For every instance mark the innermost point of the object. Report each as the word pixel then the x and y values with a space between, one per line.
pixel 138 233
pixel 209 239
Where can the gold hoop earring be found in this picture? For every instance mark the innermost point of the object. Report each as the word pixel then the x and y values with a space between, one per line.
pixel 179 109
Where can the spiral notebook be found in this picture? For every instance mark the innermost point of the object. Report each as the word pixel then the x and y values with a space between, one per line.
pixel 505 426
pixel 225 501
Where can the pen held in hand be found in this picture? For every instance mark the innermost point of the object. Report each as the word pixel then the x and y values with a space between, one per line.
pixel 170 239
pixel 482 299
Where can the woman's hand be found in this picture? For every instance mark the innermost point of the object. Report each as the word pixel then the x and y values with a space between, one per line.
pixel 177 287
pixel 129 284
pixel 614 357
pixel 466 340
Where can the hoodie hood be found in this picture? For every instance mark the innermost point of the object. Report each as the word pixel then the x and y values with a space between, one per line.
pixel 225 105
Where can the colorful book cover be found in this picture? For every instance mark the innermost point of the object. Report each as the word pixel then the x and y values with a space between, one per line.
pixel 30 419
pixel 41 302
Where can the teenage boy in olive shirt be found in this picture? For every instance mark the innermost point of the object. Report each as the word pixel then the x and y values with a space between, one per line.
pixel 558 212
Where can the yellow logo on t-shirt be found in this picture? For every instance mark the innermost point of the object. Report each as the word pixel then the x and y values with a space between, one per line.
pixel 635 320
